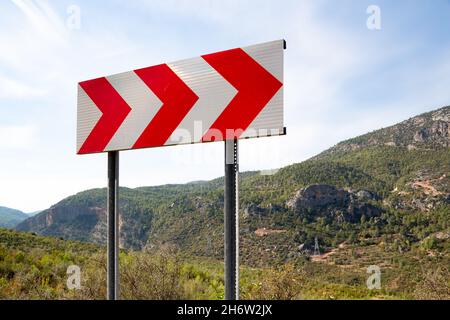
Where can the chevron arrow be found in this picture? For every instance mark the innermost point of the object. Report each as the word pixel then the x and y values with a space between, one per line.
pixel 114 110
pixel 210 104
pixel 255 85
pixel 144 105
pixel 177 100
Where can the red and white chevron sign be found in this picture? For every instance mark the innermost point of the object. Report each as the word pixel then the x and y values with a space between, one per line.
pixel 236 93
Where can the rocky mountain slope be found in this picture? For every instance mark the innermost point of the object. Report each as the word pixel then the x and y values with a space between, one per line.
pixel 428 130
pixel 9 218
pixel 390 186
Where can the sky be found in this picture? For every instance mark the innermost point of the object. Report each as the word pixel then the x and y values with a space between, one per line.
pixel 350 67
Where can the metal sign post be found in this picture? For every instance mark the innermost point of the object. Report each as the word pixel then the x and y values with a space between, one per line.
pixel 231 221
pixel 113 226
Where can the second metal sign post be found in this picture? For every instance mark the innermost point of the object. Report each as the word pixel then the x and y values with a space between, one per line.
pixel 231 220
pixel 113 226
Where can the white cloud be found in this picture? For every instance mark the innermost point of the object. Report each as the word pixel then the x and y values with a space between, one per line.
pixel 12 89
pixel 17 137
pixel 39 50
pixel 40 192
pixel 43 19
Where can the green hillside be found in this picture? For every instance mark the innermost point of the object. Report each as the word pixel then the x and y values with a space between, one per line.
pixel 9 218
pixel 391 183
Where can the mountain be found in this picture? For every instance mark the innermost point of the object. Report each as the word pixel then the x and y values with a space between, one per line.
pixel 389 187
pixel 9 218
pixel 428 130
pixel 31 214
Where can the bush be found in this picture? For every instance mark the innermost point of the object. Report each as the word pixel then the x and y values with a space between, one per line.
pixel 284 283
pixel 435 285
pixel 142 277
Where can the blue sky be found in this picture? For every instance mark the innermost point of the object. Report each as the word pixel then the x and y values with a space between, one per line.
pixel 341 80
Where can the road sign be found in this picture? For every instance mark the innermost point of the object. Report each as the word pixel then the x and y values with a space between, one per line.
pixel 227 95
pixel 223 96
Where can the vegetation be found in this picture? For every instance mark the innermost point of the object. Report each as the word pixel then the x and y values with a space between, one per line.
pixel 390 208
pixel 190 216
pixel 34 267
